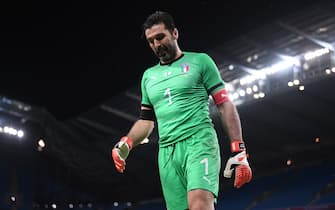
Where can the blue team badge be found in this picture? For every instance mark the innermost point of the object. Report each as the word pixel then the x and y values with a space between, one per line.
pixel 185 68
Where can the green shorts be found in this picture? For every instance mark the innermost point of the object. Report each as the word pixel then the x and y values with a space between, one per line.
pixel 193 163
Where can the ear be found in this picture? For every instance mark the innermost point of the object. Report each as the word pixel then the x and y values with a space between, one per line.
pixel 175 33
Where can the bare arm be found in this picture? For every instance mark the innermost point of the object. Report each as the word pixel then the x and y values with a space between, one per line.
pixel 238 162
pixel 231 120
pixel 140 130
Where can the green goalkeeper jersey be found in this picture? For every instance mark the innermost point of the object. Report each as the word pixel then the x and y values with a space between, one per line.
pixel 179 94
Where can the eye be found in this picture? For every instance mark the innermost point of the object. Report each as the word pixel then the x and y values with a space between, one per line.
pixel 160 37
pixel 150 41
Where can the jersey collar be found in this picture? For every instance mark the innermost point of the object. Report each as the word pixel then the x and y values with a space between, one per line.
pixel 164 64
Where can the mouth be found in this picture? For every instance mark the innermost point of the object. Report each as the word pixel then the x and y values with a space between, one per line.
pixel 161 51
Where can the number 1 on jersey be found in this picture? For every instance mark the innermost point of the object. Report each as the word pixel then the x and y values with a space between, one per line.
pixel 168 94
pixel 205 161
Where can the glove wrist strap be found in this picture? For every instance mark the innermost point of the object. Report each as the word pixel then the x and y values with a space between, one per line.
pixel 128 141
pixel 237 146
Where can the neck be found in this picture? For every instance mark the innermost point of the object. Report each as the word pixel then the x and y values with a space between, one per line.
pixel 179 53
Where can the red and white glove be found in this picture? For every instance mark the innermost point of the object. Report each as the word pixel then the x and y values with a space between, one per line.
pixel 120 153
pixel 239 163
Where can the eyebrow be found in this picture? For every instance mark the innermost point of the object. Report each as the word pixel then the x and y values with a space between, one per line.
pixel 155 36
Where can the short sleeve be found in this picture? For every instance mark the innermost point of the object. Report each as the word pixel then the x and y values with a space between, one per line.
pixel 145 99
pixel 211 76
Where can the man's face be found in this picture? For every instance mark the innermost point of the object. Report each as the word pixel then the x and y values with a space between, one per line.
pixel 162 42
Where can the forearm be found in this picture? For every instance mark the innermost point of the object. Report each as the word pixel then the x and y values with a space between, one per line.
pixel 231 120
pixel 140 130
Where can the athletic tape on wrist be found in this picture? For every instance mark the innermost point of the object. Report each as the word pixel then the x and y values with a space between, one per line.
pixel 237 146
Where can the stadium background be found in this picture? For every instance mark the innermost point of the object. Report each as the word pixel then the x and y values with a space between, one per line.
pixel 69 89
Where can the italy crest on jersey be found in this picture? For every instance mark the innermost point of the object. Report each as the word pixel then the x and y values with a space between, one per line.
pixel 185 68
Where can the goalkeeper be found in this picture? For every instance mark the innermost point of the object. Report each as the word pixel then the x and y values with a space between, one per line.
pixel 175 94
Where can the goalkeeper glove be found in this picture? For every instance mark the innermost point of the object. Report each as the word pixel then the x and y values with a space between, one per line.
pixel 120 153
pixel 238 163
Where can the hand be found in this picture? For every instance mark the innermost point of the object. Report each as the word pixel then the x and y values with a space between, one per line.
pixel 120 153
pixel 239 163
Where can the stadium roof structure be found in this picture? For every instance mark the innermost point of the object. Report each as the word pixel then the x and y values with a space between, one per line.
pixel 282 123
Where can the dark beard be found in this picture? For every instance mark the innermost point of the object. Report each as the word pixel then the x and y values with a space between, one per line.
pixel 169 52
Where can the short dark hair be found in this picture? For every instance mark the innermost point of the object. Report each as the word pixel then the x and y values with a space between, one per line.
pixel 159 17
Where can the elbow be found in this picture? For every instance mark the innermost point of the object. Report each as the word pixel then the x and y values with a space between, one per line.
pixel 151 126
pixel 226 107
